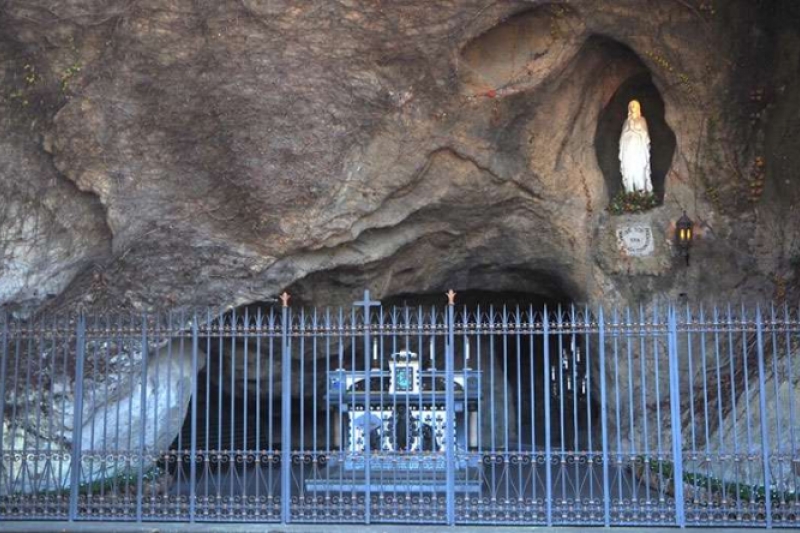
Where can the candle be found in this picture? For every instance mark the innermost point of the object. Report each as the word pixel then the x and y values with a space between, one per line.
pixel 375 349
pixel 466 350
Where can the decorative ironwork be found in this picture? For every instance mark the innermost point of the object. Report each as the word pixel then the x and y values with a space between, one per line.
pixel 445 415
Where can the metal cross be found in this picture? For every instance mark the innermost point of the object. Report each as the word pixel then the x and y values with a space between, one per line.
pixel 366 303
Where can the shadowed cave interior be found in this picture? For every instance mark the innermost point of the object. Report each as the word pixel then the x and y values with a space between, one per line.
pixel 238 414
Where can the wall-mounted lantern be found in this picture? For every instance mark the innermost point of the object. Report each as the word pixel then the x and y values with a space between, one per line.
pixel 683 235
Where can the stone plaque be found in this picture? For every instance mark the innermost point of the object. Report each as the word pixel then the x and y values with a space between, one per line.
pixel 635 241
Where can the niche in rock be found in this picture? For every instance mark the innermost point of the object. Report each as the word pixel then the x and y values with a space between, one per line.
pixel 522 50
pixel 639 87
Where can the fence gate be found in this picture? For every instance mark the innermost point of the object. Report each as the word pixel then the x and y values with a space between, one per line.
pixel 370 414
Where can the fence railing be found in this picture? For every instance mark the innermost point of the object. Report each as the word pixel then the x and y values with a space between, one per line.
pixel 442 414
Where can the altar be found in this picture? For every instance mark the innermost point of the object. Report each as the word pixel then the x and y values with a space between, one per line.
pixel 399 415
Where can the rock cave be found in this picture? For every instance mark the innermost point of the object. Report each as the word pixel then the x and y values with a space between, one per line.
pixel 323 150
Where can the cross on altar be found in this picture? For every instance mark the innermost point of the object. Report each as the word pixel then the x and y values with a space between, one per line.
pixel 366 303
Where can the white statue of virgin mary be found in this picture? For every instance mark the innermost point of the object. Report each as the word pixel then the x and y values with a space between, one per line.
pixel 634 151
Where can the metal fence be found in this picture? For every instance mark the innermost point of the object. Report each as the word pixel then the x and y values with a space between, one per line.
pixel 443 414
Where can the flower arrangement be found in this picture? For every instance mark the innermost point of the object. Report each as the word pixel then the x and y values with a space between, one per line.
pixel 632 202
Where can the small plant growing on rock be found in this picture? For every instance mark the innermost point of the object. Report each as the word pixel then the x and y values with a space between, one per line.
pixel 31 78
pixel 632 202
pixel 68 74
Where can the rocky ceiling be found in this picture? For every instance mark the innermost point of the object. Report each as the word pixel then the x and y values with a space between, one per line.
pixel 165 153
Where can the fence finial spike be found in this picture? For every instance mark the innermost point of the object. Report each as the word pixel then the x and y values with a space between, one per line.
pixel 451 297
pixel 285 299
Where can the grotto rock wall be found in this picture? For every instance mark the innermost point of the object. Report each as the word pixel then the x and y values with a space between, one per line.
pixel 168 153
pixel 216 152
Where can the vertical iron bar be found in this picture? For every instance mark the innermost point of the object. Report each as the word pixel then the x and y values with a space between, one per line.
pixel 547 449
pixel 40 344
pixel 315 380
pixel 25 406
pixel 106 397
pixel 562 456
pixel 232 479
pixel 367 304
pixel 675 406
pixel 492 406
pixel 207 419
pixel 704 378
pixel 656 364
pixel 732 373
pixel 420 327
pixel 631 422
pixel 519 408
pixel 478 336
pixel 573 344
pixel 301 408
pixel 748 416
pixel 142 415
pixel 587 353
pixel 643 385
pixel 182 454
pixel 617 413
pixel 245 447
pixel 160 336
pixel 15 381
pixel 75 477
pixel 193 450
pixel 3 369
pixel 220 341
pixel 352 392
pixel 379 340
pixel 778 407
pixel 271 406
pixel 792 392
pixel 717 328
pixel 129 446
pixel 328 426
pixel 532 378
pixel 506 467
pixel 259 449
pixel 692 422
pixel 450 441
pixel 286 414
pixel 34 345
pixel 601 323
pixel 762 406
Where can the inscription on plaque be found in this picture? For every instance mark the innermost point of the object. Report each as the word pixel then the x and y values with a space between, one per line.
pixel 635 241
